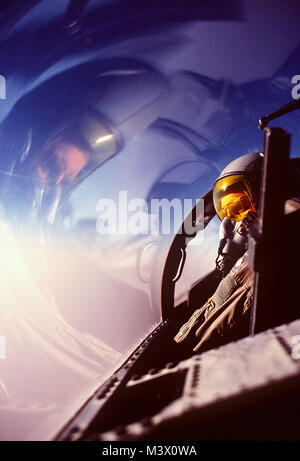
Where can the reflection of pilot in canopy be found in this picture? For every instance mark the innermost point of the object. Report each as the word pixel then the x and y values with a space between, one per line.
pixel 226 315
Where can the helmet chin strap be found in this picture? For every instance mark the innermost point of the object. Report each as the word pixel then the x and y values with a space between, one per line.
pixel 233 243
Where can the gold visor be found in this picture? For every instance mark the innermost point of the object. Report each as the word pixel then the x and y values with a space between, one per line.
pixel 233 198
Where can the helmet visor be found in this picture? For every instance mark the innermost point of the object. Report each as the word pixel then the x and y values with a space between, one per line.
pixel 233 197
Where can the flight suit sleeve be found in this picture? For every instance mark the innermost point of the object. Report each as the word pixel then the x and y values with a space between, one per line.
pixel 225 316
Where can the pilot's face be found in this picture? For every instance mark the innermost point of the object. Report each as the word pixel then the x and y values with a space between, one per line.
pixel 64 163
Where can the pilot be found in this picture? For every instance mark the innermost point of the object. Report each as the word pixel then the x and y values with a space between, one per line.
pixel 225 316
